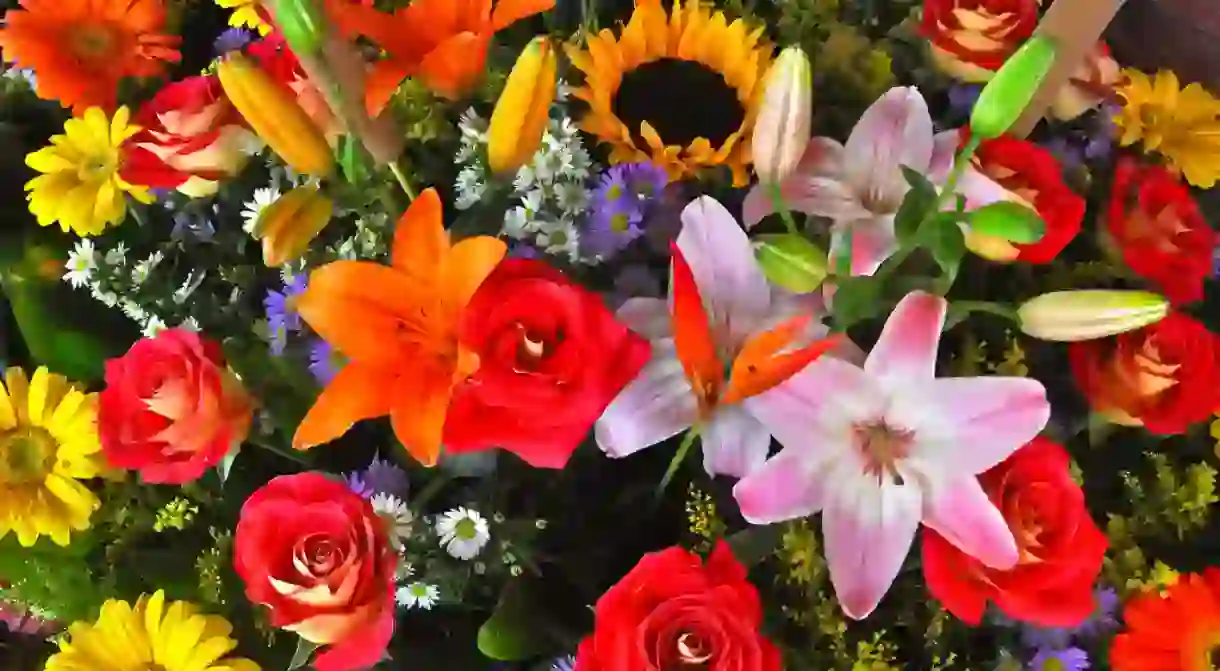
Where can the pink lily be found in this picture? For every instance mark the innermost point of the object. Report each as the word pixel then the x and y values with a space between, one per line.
pixel 721 315
pixel 860 186
pixel 881 449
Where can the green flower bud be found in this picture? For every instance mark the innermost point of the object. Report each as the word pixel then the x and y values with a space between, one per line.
pixel 1009 92
pixel 1008 221
pixel 791 261
pixel 302 22
pixel 1089 314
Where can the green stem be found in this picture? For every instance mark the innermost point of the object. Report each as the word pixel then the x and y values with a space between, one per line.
pixel 777 200
pixel 687 441
pixel 402 180
pixel 430 490
pixel 985 306
pixel 959 167
pixel 291 455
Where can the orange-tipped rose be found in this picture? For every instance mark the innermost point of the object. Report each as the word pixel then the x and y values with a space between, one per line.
pixel 971 39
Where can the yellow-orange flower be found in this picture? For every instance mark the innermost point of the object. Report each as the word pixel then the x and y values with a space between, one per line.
pixel 681 90
pixel 81 49
pixel 1181 124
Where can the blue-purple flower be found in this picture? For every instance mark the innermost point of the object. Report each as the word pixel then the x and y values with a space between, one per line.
pixel 231 40
pixel 1101 622
pixel 619 205
pixel 567 663
pixel 325 361
pixel 1070 659
pixel 282 316
pixel 381 476
pixel 962 98
pixel 355 482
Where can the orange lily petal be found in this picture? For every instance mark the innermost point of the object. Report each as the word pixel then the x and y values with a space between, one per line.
pixel 420 241
pixel 382 83
pixel 508 12
pixel 357 392
pixel 455 65
pixel 363 309
pixel 421 401
pixel 758 366
pixel 469 263
pixel 693 333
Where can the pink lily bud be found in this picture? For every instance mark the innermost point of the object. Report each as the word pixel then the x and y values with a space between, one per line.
pixel 783 127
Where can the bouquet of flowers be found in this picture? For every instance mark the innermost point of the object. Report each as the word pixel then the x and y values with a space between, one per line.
pixel 516 334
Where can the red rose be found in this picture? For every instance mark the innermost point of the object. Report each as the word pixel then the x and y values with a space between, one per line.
pixel 1158 228
pixel 1163 376
pixel 1033 177
pixel 171 409
pixel 672 611
pixel 192 138
pixel 551 358
pixel 971 39
pixel 317 555
pixel 1061 548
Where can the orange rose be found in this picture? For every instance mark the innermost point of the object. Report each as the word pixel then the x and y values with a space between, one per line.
pixel 971 39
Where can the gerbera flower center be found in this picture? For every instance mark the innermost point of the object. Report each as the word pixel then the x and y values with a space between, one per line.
pixel 682 100
pixel 92 41
pixel 882 446
pixel 27 454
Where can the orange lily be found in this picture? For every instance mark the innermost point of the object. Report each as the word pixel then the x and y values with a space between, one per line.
pixel 442 42
pixel 398 327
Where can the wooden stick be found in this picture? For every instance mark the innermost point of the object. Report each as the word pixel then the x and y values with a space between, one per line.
pixel 1075 26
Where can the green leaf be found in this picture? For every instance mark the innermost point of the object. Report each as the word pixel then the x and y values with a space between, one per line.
pixel 916 206
pixel 751 546
pixel 304 652
pixel 856 299
pixel 226 464
pixel 943 238
pixel 791 261
pixel 516 630
pixel 1010 221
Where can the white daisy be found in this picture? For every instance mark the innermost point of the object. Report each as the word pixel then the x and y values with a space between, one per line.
pixel 153 326
pixel 472 125
pixel 397 516
pixel 463 532
pixel 404 569
pixel 190 324
pixel 516 223
pixel 417 595
pixel 525 178
pixel 107 298
pixel 117 255
pixel 133 310
pixel 470 188
pixel 571 197
pixel 561 240
pixel 189 285
pixel 82 261
pixel 254 207
pixel 144 268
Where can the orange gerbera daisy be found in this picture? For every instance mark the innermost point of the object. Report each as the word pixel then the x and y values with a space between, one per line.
pixel 1177 629
pixel 81 49
pixel 398 327
pixel 443 42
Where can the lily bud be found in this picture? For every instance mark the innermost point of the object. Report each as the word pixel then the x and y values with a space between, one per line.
pixel 782 129
pixel 290 223
pixel 274 115
pixel 1089 314
pixel 791 261
pixel 521 113
pixel 1010 91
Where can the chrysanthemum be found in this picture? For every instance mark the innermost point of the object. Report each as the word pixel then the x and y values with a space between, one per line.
pixel 48 443
pixel 246 13
pixel 1183 125
pixel 417 595
pixel 1174 629
pixel 81 49
pixel 463 533
pixel 680 90
pixel 1069 659
pixel 80 187
pixel 397 516
pixel 150 635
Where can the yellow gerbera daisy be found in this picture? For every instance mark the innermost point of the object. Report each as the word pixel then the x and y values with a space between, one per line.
pixel 81 188
pixel 680 90
pixel 1181 124
pixel 246 13
pixel 151 636
pixel 48 442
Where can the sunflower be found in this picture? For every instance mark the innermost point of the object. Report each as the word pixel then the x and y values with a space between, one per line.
pixel 81 187
pixel 151 635
pixel 81 49
pixel 48 441
pixel 1173 629
pixel 680 90
pixel 247 13
pixel 1183 125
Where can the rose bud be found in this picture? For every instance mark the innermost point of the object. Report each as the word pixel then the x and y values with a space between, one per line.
pixel 1088 314
pixel 781 132
pixel 522 112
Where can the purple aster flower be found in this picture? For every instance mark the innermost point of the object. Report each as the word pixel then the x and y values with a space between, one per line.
pixel 522 250
pixel 324 361
pixel 386 478
pixel 231 40
pixel 282 317
pixel 1071 659
pixel 962 98
pixel 620 203
pixel 1046 638
pixel 192 226
pixel 1103 620
pixel 567 663
pixel 356 483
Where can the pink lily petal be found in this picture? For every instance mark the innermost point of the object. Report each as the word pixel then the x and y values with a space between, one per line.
pixel 734 290
pixel 656 405
pixel 894 131
pixel 978 188
pixel 648 317
pixel 868 532
pixel 944 149
pixel 734 443
pixel 961 512
pixel 991 417
pixel 817 403
pixel 816 186
pixel 789 485
pixel 872 242
pixel 906 351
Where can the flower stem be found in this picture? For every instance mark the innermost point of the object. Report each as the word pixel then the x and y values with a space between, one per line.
pixel 402 181
pixel 687 441
pixel 984 306
pixel 430 490
pixel 291 455
pixel 777 200
pixel 960 161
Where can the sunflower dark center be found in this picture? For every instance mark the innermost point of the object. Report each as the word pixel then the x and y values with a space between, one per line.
pixel 681 100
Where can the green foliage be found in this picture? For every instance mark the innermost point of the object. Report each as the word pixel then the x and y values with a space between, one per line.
pixel 1172 498
pixel 60 581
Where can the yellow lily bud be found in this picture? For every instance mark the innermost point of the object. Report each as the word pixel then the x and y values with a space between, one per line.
pixel 522 111
pixel 275 116
pixel 290 223
pixel 1089 314
pixel 781 132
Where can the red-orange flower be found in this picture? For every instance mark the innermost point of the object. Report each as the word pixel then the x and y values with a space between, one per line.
pixel 1176 630
pixel 81 49
pixel 442 42
pixel 398 327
